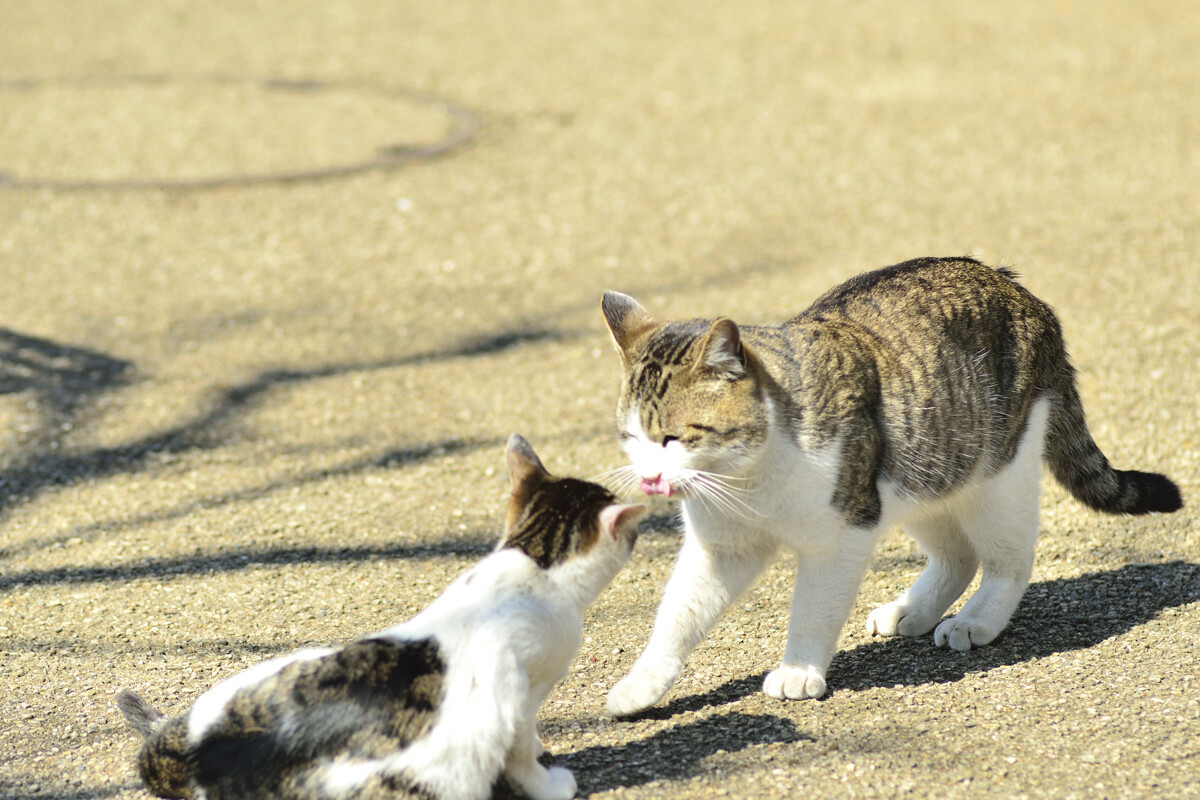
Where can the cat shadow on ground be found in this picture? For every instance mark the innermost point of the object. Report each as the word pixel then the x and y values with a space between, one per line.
pixel 1054 616
pixel 674 753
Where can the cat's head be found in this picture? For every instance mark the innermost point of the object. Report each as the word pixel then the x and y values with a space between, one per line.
pixel 574 529
pixel 692 413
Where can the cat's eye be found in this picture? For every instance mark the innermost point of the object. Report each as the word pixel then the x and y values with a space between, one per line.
pixel 668 439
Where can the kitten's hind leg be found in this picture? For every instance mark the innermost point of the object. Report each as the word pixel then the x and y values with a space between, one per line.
pixel 952 564
pixel 705 582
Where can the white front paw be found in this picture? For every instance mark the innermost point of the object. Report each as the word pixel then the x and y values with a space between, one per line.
pixel 641 688
pixel 963 634
pixel 795 683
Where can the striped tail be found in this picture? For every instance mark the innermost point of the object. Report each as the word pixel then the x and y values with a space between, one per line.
pixel 1077 463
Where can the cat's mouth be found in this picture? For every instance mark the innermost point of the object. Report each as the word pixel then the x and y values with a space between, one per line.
pixel 659 485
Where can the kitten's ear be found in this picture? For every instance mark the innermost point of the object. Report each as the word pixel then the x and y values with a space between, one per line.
pixel 723 350
pixel 525 471
pixel 523 463
pixel 626 318
pixel 618 517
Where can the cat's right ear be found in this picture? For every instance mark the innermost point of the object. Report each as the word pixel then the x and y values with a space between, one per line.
pixel 618 517
pixel 626 319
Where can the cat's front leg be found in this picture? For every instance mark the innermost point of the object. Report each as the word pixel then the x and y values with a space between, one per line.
pixel 705 581
pixel 824 593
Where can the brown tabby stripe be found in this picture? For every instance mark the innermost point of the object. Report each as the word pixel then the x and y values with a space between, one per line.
pixel 557 519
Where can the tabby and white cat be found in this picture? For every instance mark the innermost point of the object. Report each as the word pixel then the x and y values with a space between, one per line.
pixel 925 394
pixel 440 705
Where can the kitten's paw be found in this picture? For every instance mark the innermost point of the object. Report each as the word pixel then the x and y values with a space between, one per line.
pixel 539 783
pixel 560 784
pixel 794 683
pixel 640 689
pixel 894 619
pixel 963 634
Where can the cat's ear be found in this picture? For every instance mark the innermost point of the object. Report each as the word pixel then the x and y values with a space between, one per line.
pixel 523 464
pixel 723 350
pixel 626 318
pixel 618 517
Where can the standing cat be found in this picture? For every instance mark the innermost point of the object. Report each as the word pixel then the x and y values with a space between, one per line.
pixel 439 705
pixel 925 394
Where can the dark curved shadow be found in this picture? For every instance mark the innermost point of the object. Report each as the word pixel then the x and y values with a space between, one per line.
pixel 237 560
pixel 675 753
pixel 65 381
pixel 463 126
pixel 1054 617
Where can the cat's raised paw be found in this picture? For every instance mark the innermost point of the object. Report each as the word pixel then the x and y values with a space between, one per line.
pixel 640 689
pixel 794 683
pixel 963 634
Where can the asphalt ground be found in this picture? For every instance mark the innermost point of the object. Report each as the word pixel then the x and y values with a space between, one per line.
pixel 277 281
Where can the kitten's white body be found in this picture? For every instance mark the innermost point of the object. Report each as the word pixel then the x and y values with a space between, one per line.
pixel 784 499
pixel 507 631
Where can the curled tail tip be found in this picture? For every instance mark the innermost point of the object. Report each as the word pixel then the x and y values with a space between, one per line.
pixel 1155 493
pixel 141 716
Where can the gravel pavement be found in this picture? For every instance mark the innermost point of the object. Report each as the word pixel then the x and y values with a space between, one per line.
pixel 278 279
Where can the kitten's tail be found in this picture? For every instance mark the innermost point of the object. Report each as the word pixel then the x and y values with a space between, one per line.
pixel 141 716
pixel 1077 463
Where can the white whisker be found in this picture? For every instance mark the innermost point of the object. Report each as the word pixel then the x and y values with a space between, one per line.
pixel 620 481
pixel 715 491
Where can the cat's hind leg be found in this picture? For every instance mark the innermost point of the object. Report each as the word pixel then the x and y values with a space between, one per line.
pixel 952 564
pixel 999 516
pixel 705 582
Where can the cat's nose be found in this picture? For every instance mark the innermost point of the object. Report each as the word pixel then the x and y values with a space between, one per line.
pixel 657 485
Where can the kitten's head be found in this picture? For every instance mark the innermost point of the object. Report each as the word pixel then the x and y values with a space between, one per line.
pixel 692 412
pixel 573 529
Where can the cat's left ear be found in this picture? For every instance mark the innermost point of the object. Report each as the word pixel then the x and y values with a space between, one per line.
pixel 626 318
pixel 723 350
pixel 618 517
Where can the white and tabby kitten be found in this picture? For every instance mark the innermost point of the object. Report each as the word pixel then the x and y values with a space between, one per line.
pixel 440 705
pixel 926 394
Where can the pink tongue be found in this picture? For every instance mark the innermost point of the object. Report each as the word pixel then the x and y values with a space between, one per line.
pixel 659 485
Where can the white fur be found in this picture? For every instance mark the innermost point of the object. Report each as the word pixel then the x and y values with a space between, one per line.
pixel 507 631
pixel 992 521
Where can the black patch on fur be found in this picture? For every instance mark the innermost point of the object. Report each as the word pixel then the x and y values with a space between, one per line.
pixel 370 698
